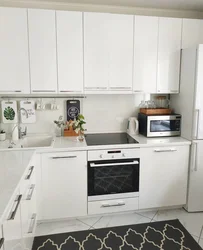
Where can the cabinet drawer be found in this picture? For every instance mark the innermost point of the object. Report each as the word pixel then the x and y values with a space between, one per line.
pixel 111 206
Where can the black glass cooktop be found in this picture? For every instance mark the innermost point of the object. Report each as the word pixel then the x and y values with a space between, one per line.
pixel 109 139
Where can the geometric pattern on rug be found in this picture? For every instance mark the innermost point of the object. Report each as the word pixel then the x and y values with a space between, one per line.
pixel 170 236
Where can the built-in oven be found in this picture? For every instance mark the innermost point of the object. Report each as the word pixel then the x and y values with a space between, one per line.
pixel 114 176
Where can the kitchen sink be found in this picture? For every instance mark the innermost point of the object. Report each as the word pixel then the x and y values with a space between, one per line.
pixel 37 141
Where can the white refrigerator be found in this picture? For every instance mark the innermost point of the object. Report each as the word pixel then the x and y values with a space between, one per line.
pixel 189 103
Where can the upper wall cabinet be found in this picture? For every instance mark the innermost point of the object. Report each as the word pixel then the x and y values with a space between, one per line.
pixel 192 32
pixel 169 51
pixel 108 52
pixel 96 52
pixel 14 60
pixel 69 51
pixel 145 54
pixel 120 35
pixel 42 44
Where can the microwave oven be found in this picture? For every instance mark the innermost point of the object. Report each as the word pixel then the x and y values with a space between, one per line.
pixel 159 125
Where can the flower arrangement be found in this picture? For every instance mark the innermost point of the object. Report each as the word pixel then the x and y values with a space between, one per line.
pixel 60 122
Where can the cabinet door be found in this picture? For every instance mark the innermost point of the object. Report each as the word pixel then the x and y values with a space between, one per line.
pixel 169 51
pixel 14 62
pixel 120 35
pixel 70 51
pixel 64 185
pixel 192 33
pixel 96 51
pixel 163 176
pixel 42 45
pixel 28 208
pixel 12 226
pixel 145 54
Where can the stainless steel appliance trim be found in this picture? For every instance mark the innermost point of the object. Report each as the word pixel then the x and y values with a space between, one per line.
pixel 15 208
pixel 30 193
pixel 162 133
pixel 113 196
pixel 64 157
pixel 93 165
pixel 165 150
pixel 28 176
pixel 32 223
pixel 1 242
pixel 117 204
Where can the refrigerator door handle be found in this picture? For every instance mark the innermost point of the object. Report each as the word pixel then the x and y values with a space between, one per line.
pixel 194 157
pixel 197 123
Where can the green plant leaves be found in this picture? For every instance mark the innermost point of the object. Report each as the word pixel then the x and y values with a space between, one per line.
pixel 9 113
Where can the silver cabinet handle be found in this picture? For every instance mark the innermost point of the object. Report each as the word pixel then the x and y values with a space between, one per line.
pixel 174 91
pixel 95 88
pixel 44 91
pixel 32 223
pixel 1 242
pixel 30 171
pixel 15 208
pixel 127 88
pixel 194 156
pixel 118 204
pixel 197 123
pixel 64 157
pixel 30 193
pixel 138 91
pixel 14 91
pixel 93 165
pixel 165 150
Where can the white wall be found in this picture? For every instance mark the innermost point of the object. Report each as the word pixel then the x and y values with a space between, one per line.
pixel 103 113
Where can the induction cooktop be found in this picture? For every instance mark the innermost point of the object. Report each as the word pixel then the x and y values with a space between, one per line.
pixel 109 139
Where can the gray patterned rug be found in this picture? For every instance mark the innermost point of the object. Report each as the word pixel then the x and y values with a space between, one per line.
pixel 164 235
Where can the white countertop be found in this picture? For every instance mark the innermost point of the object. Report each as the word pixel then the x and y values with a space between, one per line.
pixel 16 160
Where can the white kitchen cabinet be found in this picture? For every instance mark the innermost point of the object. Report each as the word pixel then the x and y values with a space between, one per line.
pixel 192 33
pixel 1 238
pixel 42 47
pixel 163 176
pixel 120 35
pixel 12 229
pixel 28 207
pixel 64 185
pixel 69 51
pixel 145 54
pixel 96 52
pixel 14 60
pixel 169 51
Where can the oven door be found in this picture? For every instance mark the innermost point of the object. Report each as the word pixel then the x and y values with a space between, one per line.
pixel 112 179
pixel 163 126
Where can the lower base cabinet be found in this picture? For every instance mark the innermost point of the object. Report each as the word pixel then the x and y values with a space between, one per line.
pixel 163 176
pixel 64 185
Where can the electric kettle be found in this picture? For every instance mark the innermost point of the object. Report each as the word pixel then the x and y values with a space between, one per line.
pixel 133 126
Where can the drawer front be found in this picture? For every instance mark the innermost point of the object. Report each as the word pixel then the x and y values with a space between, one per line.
pixel 120 154
pixel 112 206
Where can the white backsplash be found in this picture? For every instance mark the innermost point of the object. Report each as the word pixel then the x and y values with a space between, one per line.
pixel 103 113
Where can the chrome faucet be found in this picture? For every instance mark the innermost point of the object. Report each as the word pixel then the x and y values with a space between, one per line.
pixel 21 133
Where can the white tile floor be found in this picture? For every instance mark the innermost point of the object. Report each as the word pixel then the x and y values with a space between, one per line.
pixel 193 222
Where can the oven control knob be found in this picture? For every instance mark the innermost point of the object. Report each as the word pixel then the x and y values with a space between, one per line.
pixel 124 155
pixel 101 156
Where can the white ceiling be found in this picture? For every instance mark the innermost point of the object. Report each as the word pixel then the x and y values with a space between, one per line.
pixel 192 5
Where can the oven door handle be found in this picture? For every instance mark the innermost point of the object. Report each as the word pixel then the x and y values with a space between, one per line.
pixel 93 165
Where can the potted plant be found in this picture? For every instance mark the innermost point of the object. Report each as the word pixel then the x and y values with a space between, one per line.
pixel 2 135
pixel 59 126
pixel 78 126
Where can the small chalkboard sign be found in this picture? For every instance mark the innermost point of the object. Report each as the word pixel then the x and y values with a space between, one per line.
pixel 73 109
